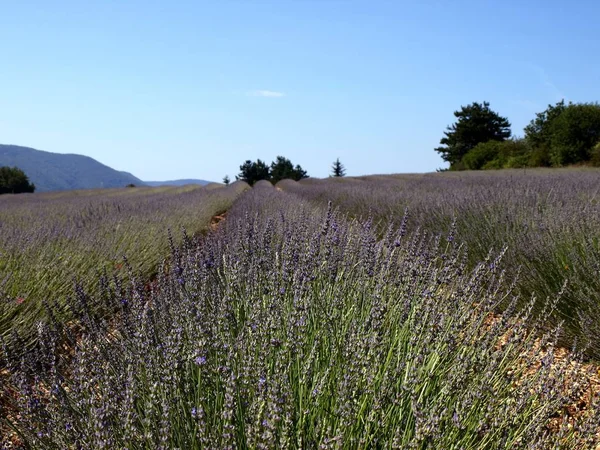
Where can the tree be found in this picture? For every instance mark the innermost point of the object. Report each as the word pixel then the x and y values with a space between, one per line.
pixel 282 168
pixel 337 169
pixel 574 133
pixel 539 131
pixel 14 181
pixel 251 172
pixel 476 123
pixel 226 180
pixel 564 134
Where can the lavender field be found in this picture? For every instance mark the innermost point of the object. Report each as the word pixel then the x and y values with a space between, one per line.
pixel 409 312
pixel 51 242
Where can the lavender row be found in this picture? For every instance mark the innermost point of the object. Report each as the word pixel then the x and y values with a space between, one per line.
pixel 50 241
pixel 548 221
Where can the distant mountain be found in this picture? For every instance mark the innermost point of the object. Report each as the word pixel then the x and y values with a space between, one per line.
pixel 177 182
pixel 58 172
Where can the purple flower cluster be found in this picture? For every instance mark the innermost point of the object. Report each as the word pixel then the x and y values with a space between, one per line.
pixel 50 240
pixel 547 219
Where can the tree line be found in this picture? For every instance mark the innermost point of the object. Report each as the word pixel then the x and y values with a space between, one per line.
pixel 14 181
pixel 563 134
pixel 280 169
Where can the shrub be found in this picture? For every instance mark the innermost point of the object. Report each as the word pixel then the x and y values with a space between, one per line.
pixel 482 154
pixel 517 162
pixel 595 155
pixel 14 181
pixel 494 164
pixel 540 156
pixel 494 154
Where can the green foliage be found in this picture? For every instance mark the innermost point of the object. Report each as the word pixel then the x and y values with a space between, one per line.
pixel 494 164
pixel 563 134
pixel 251 172
pixel 512 153
pixel 338 169
pixel 14 181
pixel 226 180
pixel 574 132
pixel 476 124
pixel 540 156
pixel 539 131
pixel 282 169
pixel 595 155
pixel 517 162
pixel 481 155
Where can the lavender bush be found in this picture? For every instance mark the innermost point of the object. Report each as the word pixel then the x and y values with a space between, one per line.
pixel 293 327
pixel 50 241
pixel 548 221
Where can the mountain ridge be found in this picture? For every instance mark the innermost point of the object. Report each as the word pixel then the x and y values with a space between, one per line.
pixel 63 171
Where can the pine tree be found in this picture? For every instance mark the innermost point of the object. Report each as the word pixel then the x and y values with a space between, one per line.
pixel 251 172
pixel 476 124
pixel 282 168
pixel 337 169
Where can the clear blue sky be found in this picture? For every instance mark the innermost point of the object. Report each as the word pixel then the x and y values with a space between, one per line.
pixel 178 89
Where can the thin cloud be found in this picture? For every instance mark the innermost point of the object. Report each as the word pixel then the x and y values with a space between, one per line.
pixel 265 93
pixel 548 83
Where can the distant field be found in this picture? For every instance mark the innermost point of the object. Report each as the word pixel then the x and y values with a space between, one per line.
pixel 51 241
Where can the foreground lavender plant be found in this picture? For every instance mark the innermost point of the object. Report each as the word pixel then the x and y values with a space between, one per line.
pixel 548 219
pixel 292 327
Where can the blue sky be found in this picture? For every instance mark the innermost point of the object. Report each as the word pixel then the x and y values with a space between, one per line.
pixel 181 89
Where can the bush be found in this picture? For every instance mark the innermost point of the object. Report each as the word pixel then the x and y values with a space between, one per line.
pixel 595 155
pixel 494 164
pixel 540 157
pixel 482 154
pixel 517 162
pixel 497 155
pixel 14 181
pixel 457 166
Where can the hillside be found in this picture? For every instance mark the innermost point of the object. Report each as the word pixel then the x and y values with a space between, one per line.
pixel 177 182
pixel 57 172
